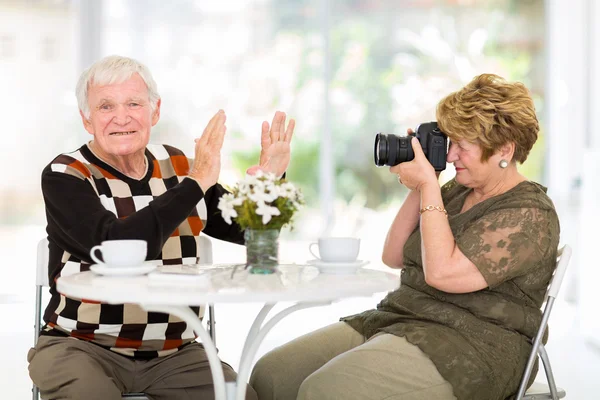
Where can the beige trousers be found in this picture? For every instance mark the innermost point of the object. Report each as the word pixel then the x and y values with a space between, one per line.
pixel 337 363
pixel 66 368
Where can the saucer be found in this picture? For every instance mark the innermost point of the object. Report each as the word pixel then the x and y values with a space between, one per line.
pixel 122 271
pixel 346 267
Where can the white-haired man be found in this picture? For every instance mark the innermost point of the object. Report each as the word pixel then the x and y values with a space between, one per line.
pixel 118 186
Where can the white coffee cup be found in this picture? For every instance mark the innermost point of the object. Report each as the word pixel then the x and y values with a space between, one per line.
pixel 120 253
pixel 336 249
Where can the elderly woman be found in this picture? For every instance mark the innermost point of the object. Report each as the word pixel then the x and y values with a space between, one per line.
pixel 118 186
pixel 476 256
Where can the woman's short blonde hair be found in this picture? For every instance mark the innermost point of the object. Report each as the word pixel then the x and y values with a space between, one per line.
pixel 491 112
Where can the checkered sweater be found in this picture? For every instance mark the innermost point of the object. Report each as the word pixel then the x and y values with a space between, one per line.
pixel 88 201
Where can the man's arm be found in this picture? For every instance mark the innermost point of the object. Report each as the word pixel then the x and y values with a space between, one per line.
pixel 215 224
pixel 77 220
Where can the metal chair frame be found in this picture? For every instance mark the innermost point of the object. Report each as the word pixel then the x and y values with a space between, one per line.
pixel 540 391
pixel 42 281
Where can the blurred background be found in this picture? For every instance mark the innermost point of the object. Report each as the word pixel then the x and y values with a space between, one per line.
pixel 345 70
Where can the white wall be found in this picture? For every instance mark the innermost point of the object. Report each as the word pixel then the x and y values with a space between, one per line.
pixel 573 169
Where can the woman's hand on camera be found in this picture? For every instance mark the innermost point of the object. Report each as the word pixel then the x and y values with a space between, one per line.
pixel 417 173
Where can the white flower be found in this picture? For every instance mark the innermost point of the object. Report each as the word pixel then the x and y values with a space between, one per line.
pixel 272 186
pixel 250 180
pixel 257 187
pixel 255 195
pixel 226 203
pixel 271 177
pixel 266 211
pixel 228 199
pixel 287 190
pixel 261 197
pixel 243 187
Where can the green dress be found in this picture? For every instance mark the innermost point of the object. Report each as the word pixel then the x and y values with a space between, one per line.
pixel 478 341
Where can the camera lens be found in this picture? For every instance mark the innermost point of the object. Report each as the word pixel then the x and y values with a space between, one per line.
pixel 380 152
pixel 391 150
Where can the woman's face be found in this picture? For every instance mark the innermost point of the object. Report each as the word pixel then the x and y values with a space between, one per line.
pixel 470 170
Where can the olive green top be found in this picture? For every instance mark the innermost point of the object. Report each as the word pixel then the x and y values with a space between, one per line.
pixel 478 341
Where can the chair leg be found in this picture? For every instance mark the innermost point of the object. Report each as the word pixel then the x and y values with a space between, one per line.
pixel 548 369
pixel 37 325
pixel 211 323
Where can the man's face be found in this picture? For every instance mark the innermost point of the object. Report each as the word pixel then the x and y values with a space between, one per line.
pixel 121 117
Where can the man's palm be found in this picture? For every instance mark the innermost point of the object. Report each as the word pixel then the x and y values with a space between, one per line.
pixel 275 144
pixel 275 157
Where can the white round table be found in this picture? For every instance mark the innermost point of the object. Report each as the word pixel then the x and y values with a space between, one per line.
pixel 230 283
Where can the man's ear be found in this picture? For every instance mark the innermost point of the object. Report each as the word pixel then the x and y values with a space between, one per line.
pixel 156 113
pixel 87 124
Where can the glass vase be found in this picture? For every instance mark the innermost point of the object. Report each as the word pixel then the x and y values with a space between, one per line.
pixel 262 250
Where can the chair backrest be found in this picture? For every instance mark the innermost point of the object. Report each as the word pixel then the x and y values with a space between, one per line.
pixel 562 259
pixel 41 276
pixel 562 262
pixel 206 252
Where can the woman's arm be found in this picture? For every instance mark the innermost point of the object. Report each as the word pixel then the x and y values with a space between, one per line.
pixel 445 266
pixel 403 225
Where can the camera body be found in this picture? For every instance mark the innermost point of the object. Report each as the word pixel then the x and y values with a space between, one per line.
pixel 391 150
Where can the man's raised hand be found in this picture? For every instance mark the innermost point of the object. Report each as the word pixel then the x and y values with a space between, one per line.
pixel 275 145
pixel 207 161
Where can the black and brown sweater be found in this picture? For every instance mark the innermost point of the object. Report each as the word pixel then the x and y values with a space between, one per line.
pixel 88 201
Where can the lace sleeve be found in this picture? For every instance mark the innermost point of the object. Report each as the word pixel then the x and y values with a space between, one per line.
pixel 508 243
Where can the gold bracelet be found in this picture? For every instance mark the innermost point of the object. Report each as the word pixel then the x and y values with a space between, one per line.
pixel 431 208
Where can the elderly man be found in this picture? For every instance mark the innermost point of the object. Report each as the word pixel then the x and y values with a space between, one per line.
pixel 117 186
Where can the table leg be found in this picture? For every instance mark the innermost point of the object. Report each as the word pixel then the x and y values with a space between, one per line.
pixel 255 337
pixel 187 315
pixel 255 328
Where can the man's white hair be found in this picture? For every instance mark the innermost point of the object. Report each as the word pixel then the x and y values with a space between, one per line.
pixel 110 70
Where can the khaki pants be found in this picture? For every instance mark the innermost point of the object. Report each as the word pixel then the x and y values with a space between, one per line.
pixel 337 363
pixel 66 368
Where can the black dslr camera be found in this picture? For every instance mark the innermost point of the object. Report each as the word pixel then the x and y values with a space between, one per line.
pixel 392 150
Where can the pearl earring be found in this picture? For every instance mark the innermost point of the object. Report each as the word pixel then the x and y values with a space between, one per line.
pixel 503 164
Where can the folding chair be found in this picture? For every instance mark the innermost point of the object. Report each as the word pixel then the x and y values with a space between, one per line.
pixel 539 391
pixel 41 281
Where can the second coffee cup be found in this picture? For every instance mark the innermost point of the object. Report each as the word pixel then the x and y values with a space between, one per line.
pixel 336 249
